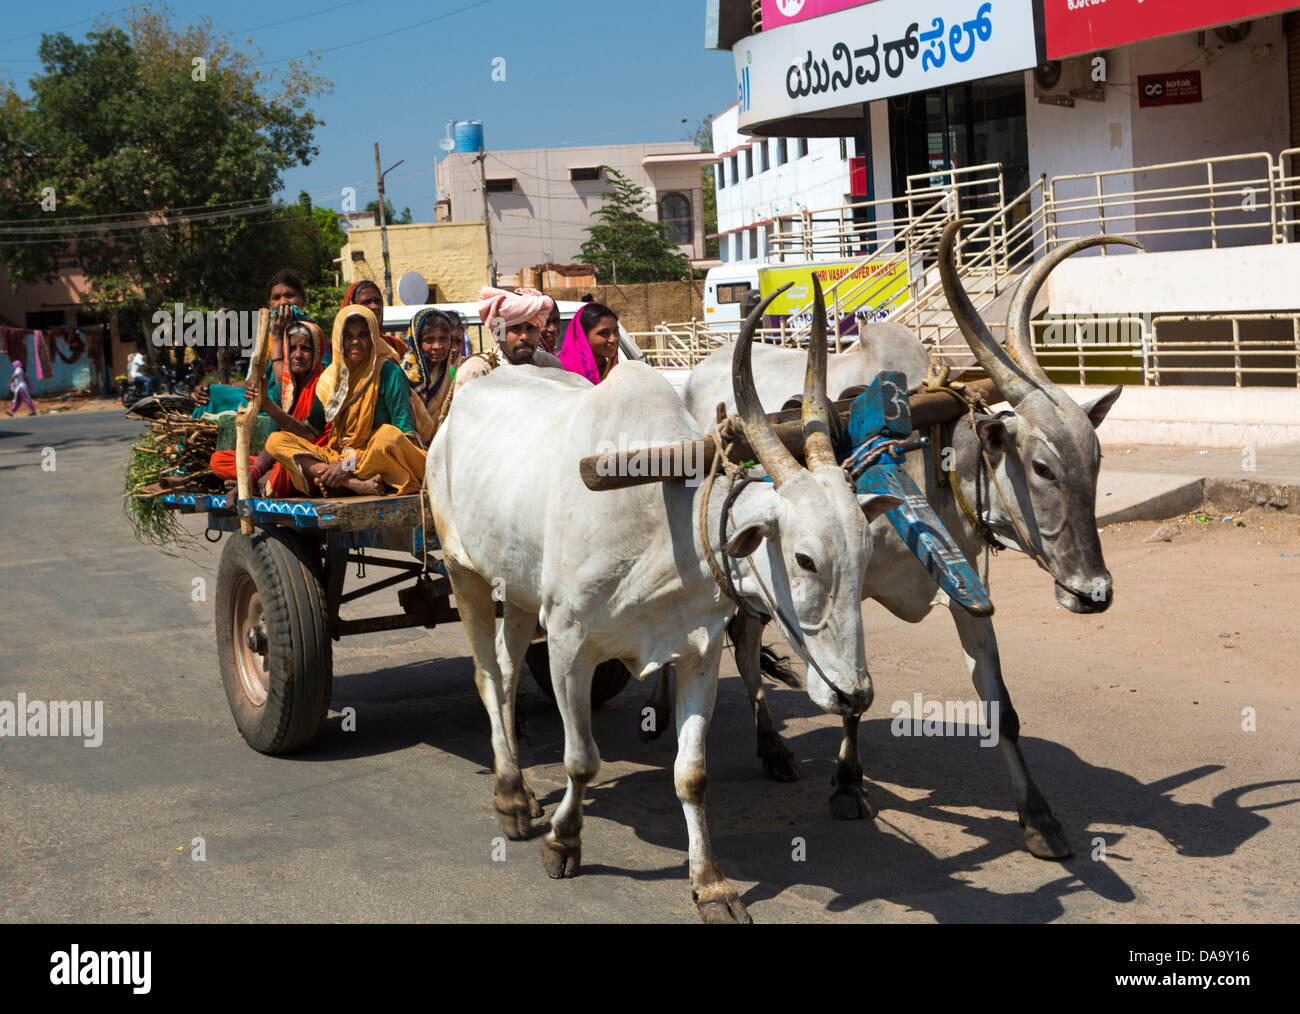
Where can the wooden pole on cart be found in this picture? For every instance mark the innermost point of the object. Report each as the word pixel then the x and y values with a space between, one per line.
pixel 246 418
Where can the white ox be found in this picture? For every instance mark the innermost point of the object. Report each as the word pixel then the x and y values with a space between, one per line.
pixel 1045 454
pixel 623 574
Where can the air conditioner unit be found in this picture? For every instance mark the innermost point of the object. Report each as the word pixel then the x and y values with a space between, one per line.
pixel 1061 82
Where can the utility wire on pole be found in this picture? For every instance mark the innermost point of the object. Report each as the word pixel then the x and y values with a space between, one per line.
pixel 487 218
pixel 383 225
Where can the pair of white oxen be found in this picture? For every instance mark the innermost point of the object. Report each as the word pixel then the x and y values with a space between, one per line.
pixel 625 574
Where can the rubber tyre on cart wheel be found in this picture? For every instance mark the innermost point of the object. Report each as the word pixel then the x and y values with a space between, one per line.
pixel 273 641
pixel 608 679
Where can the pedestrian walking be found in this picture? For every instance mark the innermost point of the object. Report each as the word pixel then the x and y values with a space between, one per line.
pixel 18 384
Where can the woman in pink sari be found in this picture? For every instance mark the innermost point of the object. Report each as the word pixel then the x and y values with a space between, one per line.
pixel 590 346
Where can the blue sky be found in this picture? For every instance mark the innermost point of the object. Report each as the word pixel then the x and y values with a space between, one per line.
pixel 578 72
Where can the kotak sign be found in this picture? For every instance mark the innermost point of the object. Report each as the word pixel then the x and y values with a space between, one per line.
pixel 1081 26
pixel 873 51
pixel 1169 89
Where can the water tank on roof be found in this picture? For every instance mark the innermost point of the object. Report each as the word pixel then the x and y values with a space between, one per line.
pixel 469 135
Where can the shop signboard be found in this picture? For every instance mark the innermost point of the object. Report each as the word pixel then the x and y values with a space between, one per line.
pixel 877 50
pixel 1178 89
pixel 1082 26
pixel 786 12
pixel 870 291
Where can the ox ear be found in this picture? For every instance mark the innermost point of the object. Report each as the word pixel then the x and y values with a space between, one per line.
pixel 993 433
pixel 749 537
pixel 876 504
pixel 1097 409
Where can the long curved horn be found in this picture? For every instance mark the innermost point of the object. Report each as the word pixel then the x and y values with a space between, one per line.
pixel 1020 344
pixel 817 448
pixel 1013 382
pixel 779 463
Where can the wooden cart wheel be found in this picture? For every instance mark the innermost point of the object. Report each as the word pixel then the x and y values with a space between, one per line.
pixel 609 678
pixel 273 641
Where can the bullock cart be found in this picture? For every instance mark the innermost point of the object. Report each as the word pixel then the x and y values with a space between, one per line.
pixel 282 592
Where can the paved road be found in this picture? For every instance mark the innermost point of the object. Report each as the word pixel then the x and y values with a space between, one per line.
pixel 1131 721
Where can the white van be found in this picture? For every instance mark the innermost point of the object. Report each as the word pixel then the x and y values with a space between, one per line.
pixel 724 288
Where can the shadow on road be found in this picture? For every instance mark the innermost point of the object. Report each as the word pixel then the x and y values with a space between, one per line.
pixel 755 822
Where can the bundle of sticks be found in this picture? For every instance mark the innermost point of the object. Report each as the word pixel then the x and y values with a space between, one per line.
pixel 174 456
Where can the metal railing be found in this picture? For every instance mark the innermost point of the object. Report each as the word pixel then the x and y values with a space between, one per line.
pixel 1202 203
pixel 1222 197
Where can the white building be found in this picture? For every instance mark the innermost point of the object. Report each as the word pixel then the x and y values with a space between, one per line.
pixel 759 178
pixel 541 200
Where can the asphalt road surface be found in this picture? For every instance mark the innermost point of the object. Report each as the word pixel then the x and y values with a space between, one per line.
pixel 1132 723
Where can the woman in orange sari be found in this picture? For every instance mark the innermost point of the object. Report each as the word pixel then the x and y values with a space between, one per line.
pixel 298 412
pixel 372 446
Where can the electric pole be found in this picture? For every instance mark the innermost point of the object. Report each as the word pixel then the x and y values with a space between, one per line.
pixel 487 218
pixel 383 225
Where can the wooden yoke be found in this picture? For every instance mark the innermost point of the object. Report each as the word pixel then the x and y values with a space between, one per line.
pixel 693 459
pixel 246 417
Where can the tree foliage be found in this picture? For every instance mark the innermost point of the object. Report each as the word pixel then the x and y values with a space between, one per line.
pixel 626 247
pixel 390 214
pixel 177 135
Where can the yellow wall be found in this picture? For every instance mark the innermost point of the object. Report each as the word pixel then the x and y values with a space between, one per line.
pixel 452 257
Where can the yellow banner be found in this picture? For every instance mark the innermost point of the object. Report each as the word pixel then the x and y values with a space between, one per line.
pixel 868 290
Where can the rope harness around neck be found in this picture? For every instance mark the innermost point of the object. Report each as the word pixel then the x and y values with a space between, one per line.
pixel 724 435
pixel 973 401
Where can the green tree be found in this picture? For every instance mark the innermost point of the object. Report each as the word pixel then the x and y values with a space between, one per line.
pixel 623 245
pixel 390 214
pixel 702 137
pixel 162 147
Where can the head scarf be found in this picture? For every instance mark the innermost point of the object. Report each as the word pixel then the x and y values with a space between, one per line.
pixel 576 355
pixel 496 306
pixel 289 396
pixel 395 343
pixel 425 381
pixel 350 393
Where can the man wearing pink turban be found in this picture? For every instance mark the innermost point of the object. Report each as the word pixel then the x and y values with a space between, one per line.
pixel 515 319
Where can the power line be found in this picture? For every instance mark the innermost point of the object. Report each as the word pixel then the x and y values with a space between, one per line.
pixel 381 35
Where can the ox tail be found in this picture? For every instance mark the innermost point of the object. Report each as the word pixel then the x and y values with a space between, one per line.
pixel 777 667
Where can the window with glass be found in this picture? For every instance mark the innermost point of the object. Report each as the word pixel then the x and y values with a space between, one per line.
pixel 801 147
pixel 675 218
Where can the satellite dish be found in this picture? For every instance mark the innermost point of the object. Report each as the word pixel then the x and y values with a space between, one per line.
pixel 412 289
pixel 446 144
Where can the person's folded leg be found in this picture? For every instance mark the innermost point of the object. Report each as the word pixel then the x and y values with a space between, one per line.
pixel 394 459
pixel 286 448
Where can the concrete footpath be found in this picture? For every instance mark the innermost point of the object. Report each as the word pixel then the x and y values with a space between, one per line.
pixel 1143 483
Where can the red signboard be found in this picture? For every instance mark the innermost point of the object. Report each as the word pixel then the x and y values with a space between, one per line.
pixel 1169 89
pixel 1081 26
pixel 786 12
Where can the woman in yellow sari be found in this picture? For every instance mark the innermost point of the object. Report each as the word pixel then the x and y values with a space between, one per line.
pixel 372 444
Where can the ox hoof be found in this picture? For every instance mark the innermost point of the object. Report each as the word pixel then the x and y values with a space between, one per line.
pixel 851 802
pixel 1045 839
pixel 780 765
pixel 515 815
pixel 534 807
pixel 722 907
pixel 561 862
